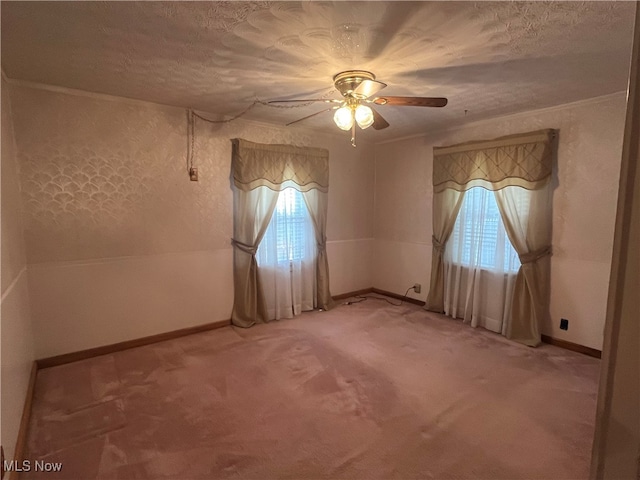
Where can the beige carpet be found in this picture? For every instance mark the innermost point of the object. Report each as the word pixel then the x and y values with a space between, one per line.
pixel 366 391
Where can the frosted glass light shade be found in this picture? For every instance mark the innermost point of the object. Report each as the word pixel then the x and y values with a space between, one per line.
pixel 343 118
pixel 364 116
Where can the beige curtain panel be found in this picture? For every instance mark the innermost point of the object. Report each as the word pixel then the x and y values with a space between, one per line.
pixel 279 166
pixel 517 160
pixel 501 165
pixel 260 171
pixel 252 212
pixel 528 226
pixel 446 205
pixel 317 202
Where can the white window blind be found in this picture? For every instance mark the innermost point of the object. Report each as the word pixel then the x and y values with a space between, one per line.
pixel 289 231
pixel 479 238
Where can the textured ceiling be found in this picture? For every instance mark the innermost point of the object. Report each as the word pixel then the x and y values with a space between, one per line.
pixel 488 58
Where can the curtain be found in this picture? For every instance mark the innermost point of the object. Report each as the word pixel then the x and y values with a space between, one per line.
pixel 446 205
pixel 252 212
pixel 317 202
pixel 523 161
pixel 287 258
pixel 259 173
pixel 527 219
pixel 279 166
pixel 480 265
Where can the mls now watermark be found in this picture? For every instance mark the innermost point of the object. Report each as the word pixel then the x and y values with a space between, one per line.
pixel 31 466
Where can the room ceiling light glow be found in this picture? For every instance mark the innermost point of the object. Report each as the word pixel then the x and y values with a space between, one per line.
pixel 274 49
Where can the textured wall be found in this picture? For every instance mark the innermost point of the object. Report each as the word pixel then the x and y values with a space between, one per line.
pixel 107 178
pixel 402 223
pixel 13 249
pixel 590 145
pixel 111 215
pixel 17 350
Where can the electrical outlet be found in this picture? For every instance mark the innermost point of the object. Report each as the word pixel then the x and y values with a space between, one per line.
pixel 417 287
pixel 564 324
pixel 193 174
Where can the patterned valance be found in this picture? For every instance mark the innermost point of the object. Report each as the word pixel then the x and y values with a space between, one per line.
pixel 279 166
pixel 522 160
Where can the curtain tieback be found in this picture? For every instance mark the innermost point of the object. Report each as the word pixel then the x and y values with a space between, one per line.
pixel 437 245
pixel 322 245
pixel 251 250
pixel 534 256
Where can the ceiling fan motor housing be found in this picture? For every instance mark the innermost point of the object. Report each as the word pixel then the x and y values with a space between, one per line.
pixel 346 82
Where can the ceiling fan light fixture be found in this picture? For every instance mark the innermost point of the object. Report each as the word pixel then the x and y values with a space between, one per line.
pixel 364 116
pixel 358 87
pixel 344 118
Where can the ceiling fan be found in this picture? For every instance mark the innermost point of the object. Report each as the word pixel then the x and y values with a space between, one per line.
pixel 355 108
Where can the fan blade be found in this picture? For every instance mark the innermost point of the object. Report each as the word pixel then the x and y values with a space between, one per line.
pixel 310 100
pixel 411 101
pixel 368 88
pixel 378 120
pixel 312 115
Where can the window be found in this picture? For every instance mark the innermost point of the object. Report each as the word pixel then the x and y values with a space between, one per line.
pixel 290 230
pixel 479 238
pixel 287 258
